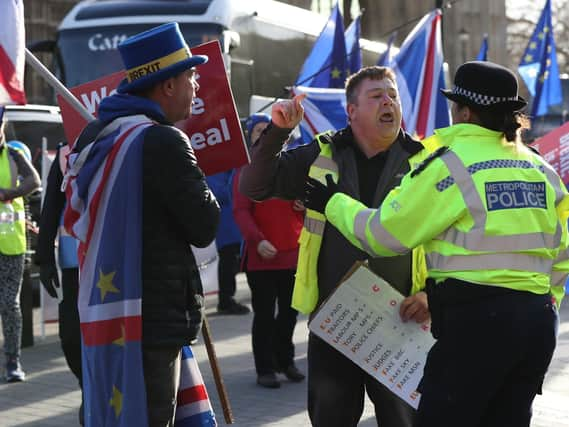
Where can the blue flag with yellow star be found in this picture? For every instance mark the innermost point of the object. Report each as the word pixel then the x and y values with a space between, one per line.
pixel 326 66
pixel 538 67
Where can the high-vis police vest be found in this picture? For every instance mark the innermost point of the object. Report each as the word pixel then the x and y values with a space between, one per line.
pixel 12 213
pixel 305 293
pixel 487 212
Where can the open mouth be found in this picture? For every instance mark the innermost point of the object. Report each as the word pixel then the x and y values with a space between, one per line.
pixel 386 118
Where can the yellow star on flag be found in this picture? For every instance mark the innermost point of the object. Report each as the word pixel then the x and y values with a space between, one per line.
pixel 105 284
pixel 545 30
pixel 529 58
pixel 541 36
pixel 121 339
pixel 532 45
pixel 336 73
pixel 116 401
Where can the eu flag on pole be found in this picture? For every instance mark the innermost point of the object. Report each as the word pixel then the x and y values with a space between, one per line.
pixel 326 65
pixel 386 57
pixel 483 52
pixel 353 34
pixel 12 53
pixel 538 67
pixel 419 70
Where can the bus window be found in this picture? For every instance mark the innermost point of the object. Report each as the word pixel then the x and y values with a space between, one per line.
pixel 91 52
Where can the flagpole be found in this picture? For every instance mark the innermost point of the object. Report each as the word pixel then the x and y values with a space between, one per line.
pixel 57 85
pixel 219 384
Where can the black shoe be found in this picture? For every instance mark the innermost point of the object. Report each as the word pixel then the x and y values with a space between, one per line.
pixel 293 374
pixel 268 381
pixel 233 308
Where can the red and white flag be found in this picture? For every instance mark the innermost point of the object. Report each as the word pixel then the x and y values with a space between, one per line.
pixel 12 52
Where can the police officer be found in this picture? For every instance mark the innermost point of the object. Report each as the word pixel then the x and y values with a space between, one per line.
pixel 492 216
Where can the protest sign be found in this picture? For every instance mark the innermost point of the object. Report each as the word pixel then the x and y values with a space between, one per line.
pixel 214 129
pixel 554 147
pixel 361 320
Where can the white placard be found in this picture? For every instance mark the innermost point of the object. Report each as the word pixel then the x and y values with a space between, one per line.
pixel 361 320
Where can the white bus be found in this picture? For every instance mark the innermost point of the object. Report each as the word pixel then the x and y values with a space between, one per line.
pixel 265 42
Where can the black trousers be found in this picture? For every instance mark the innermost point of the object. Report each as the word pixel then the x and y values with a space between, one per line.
pixel 227 268
pixel 161 366
pixel 272 334
pixel 336 388
pixel 489 361
pixel 69 326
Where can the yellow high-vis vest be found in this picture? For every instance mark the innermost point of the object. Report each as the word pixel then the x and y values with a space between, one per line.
pixel 13 233
pixel 487 212
pixel 305 293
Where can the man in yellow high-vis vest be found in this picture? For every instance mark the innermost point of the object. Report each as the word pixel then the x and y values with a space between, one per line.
pixel 492 216
pixel 17 178
pixel 367 159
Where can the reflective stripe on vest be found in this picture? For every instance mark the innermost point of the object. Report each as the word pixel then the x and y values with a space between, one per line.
pixel 305 292
pixel 475 239
pixel 12 239
pixel 378 232
pixel 522 262
pixel 558 277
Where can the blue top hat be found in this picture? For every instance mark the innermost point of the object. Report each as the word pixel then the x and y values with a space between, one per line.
pixel 155 55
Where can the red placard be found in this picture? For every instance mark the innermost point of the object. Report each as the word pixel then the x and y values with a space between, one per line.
pixel 90 95
pixel 214 129
pixel 554 147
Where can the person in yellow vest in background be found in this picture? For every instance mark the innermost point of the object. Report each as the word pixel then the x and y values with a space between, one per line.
pixel 17 178
pixel 492 216
pixel 367 159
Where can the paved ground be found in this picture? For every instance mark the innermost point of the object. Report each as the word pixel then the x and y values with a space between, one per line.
pixel 50 396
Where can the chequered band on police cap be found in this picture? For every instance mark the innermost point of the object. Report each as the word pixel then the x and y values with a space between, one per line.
pixel 480 99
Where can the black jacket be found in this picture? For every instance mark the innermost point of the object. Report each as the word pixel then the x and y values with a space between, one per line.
pixel 178 210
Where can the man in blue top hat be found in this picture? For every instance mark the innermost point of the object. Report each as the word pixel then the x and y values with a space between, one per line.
pixel 175 209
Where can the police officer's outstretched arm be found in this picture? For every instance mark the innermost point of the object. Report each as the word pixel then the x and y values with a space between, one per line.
pixel 180 184
pixel 411 214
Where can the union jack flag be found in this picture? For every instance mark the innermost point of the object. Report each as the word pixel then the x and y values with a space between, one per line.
pixel 104 192
pixel 419 70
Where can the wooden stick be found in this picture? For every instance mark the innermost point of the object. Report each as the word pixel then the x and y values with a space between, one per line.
pixel 219 385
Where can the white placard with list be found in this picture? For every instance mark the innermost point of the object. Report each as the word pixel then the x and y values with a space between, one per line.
pixel 361 320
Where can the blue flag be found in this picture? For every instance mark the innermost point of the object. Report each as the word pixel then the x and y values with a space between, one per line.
pixel 385 58
pixel 538 66
pixel 483 53
pixel 326 65
pixel 353 33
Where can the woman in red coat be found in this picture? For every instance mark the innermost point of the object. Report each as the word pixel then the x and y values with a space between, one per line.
pixel 270 230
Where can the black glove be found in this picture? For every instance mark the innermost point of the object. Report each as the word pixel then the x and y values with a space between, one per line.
pixel 316 194
pixel 49 278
